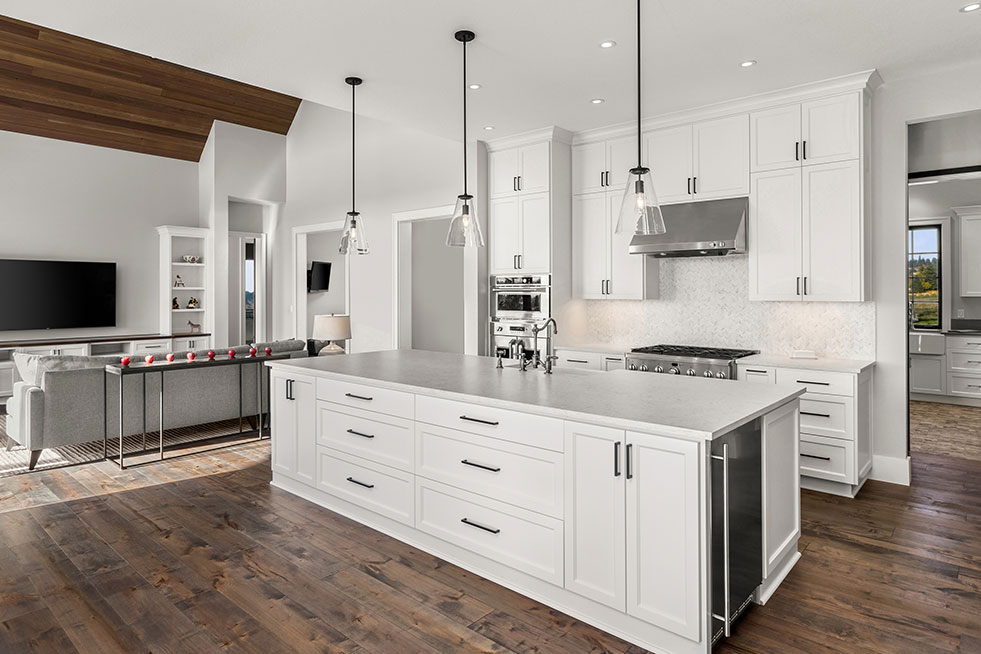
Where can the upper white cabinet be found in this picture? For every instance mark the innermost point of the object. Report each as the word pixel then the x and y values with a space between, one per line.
pixel 521 233
pixel 969 226
pixel 702 161
pixel 524 169
pixel 806 134
pixel 603 165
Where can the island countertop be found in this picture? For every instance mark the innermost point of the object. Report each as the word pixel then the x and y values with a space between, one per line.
pixel 688 407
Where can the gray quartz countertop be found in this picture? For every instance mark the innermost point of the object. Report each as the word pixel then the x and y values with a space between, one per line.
pixel 831 365
pixel 687 407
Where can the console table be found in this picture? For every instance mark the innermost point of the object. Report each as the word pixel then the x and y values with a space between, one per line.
pixel 160 367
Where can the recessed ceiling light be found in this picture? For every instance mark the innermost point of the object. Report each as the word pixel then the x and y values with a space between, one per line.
pixel 489 128
pixel 924 182
pixel 748 63
pixel 474 87
pixel 974 6
pixel 597 100
pixel 608 44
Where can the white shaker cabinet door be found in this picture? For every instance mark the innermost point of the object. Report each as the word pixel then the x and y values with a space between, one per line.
pixel 621 156
pixel 534 167
pixel 503 172
pixel 505 234
pixel 928 374
pixel 721 158
pixel 969 226
pixel 304 403
pixel 590 225
pixel 589 168
pixel 830 129
pixel 535 251
pixel 283 426
pixel 832 232
pixel 626 270
pixel 669 156
pixel 774 138
pixel 775 236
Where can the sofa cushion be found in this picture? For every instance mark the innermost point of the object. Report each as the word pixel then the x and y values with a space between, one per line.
pixel 27 367
pixel 288 345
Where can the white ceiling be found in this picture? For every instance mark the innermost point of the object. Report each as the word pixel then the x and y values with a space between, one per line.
pixel 538 60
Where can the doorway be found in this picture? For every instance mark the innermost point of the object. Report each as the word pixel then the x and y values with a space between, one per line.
pixel 246 287
pixel 320 243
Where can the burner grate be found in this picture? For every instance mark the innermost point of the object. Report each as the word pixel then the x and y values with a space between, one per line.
pixel 694 351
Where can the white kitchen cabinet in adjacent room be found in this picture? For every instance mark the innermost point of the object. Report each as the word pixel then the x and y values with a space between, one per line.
pixel 969 230
pixel 928 374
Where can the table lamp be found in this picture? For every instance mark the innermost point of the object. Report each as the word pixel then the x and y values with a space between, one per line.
pixel 331 328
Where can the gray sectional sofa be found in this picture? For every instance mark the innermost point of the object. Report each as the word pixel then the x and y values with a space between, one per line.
pixel 60 399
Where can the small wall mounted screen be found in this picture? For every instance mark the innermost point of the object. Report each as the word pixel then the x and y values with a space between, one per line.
pixel 318 277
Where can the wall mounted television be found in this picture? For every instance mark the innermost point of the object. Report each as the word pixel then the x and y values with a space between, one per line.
pixel 318 277
pixel 56 294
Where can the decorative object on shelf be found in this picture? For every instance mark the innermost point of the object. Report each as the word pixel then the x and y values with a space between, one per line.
pixel 231 354
pixel 331 328
pixel 178 282
pixel 252 352
pixel 124 361
pixel 190 258
pixel 268 351
pixel 464 226
pixel 640 209
pixel 148 358
pixel 211 355
pixel 195 327
pixel 175 304
pixel 170 357
pixel 193 303
pixel 353 239
pixel 190 356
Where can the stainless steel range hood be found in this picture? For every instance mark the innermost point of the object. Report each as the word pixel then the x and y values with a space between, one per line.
pixel 698 229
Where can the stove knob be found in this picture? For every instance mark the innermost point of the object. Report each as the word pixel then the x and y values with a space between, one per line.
pixel 632 366
pixel 674 371
pixel 691 372
pixel 708 373
pixel 643 367
pixel 720 375
pixel 658 369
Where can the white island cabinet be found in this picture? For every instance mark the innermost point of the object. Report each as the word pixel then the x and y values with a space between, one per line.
pixel 575 489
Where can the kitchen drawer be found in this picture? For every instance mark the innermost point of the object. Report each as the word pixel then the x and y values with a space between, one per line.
pixel 756 374
pixel 964 361
pixel 927 343
pixel 72 350
pixel 827 415
pixel 964 343
pixel 375 487
pixel 373 436
pixel 371 398
pixel 517 474
pixel 827 458
pixel 963 385
pixel 526 541
pixel 151 347
pixel 579 359
pixel 515 426
pixel 818 381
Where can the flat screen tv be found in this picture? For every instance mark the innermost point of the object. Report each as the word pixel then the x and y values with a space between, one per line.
pixel 56 294
pixel 318 277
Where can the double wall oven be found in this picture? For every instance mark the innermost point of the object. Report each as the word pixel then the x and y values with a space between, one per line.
pixel 518 303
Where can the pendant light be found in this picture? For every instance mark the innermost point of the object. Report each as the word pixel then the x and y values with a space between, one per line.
pixel 640 210
pixel 464 227
pixel 353 239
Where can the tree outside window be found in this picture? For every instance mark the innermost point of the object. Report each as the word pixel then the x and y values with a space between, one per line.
pixel 924 280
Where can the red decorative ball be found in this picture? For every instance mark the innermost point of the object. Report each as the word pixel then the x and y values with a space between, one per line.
pixel 124 361
pixel 211 354
pixel 190 356
pixel 148 358
pixel 231 354
pixel 268 351
pixel 251 351
pixel 170 356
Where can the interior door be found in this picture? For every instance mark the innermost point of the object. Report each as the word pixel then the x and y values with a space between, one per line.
pixel 775 238
pixel 774 138
pixel 832 232
pixel 589 168
pixel 830 127
pixel 591 239
pixel 534 167
pixel 721 159
pixel 502 170
pixel 669 156
pixel 505 234
pixel 626 270
pixel 536 230
pixel 621 156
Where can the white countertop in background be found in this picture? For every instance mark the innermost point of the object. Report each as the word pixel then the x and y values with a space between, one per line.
pixel 688 407
pixel 831 365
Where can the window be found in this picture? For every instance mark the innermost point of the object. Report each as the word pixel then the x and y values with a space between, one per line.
pixel 924 278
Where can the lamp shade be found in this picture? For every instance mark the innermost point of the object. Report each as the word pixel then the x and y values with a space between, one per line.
pixel 331 328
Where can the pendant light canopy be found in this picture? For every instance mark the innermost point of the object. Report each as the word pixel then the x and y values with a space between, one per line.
pixel 353 239
pixel 464 227
pixel 640 210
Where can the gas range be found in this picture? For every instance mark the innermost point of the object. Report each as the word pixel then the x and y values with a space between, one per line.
pixel 693 361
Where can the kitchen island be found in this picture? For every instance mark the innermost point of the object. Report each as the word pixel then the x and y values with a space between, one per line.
pixel 651 507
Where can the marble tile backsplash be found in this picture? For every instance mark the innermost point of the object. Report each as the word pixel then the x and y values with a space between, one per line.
pixel 706 302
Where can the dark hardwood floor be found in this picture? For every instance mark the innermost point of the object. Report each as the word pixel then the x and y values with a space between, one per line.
pixel 937 428
pixel 200 554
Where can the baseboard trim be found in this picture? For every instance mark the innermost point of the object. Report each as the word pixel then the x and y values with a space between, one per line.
pixel 891 469
pixel 766 590
pixel 945 399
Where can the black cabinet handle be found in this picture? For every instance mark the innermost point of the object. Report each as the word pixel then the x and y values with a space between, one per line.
pixel 689 186
pixel 816 415
pixel 694 185
pixel 360 483
pixel 514 184
pixel 616 459
pixel 359 397
pixel 357 433
pixel 630 467
pixel 798 286
pixel 614 359
pixel 492 423
pixel 804 381
pixel 602 178
pixel 804 150
pixel 480 526
pixel 577 361
pixel 519 182
pixel 607 178
pixel 805 285
pixel 479 465
pixel 796 150
pixel 289 389
pixel 759 372
pixel 814 456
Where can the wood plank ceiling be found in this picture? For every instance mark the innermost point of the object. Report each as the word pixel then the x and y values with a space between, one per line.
pixel 65 87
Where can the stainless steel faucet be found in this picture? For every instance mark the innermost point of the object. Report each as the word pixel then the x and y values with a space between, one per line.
pixel 550 356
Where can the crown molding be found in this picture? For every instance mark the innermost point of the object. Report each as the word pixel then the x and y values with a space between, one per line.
pixel 527 138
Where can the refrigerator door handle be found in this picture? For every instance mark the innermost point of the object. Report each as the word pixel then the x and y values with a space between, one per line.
pixel 727 618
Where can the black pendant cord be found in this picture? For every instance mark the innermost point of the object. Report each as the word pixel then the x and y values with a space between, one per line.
pixel 465 118
pixel 639 138
pixel 354 176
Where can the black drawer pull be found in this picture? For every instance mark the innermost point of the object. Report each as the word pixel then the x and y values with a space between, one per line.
pixel 577 361
pixel 816 415
pixel 758 372
pixel 357 433
pixel 359 397
pixel 360 483
pixel 479 465
pixel 815 456
pixel 803 381
pixel 492 423
pixel 479 526
pixel 614 359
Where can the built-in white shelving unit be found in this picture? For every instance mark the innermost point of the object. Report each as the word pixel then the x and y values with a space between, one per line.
pixel 175 243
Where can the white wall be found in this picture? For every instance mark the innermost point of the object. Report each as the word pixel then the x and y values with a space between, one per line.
pixel 399 169
pixel 437 289
pixel 323 246
pixel 70 201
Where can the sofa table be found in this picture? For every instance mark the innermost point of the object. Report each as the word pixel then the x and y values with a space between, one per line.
pixel 143 369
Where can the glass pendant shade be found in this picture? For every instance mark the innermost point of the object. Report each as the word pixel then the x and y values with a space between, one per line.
pixel 640 211
pixel 464 227
pixel 353 238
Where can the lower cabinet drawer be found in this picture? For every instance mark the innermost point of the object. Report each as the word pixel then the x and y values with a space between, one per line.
pixel 827 458
pixel 827 415
pixel 517 474
pixel 963 385
pixel 526 541
pixel 756 374
pixel 151 347
pixel 819 381
pixel 377 488
pixel 578 359
pixel 514 426
pixel 368 398
pixel 373 436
